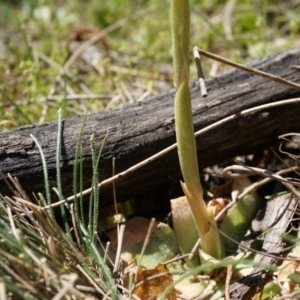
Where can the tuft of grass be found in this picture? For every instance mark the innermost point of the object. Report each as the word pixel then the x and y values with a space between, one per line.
pixel 39 260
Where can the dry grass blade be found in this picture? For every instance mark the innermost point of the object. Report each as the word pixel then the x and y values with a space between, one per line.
pixel 68 283
pixel 2 291
pixel 47 259
pixel 121 230
pixel 18 279
pixel 91 281
pixel 146 242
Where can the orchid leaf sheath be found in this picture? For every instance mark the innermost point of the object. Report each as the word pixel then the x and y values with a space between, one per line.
pixel 180 27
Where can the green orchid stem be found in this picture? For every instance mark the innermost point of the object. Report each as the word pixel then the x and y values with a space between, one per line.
pixel 180 27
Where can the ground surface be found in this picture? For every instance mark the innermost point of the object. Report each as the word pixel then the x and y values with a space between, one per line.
pixel 131 61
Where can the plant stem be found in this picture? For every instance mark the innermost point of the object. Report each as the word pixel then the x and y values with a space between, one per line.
pixel 180 27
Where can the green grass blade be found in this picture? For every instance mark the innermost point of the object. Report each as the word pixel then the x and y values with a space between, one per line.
pixel 96 188
pixel 79 215
pixel 58 174
pixel 45 171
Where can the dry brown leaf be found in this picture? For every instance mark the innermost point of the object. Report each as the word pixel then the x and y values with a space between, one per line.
pixel 218 204
pixel 152 283
pixel 223 190
pixel 135 231
pixel 285 270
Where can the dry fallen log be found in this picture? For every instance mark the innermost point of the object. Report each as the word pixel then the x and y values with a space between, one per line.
pixel 142 129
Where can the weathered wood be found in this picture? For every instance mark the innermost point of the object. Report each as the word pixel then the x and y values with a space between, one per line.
pixel 142 129
pixel 272 220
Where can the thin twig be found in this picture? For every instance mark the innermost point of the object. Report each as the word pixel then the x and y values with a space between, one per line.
pixel 249 69
pixel 195 248
pixel 146 242
pixel 262 182
pixel 200 72
pixel 238 171
pixel 177 258
pixel 227 282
